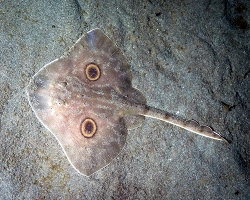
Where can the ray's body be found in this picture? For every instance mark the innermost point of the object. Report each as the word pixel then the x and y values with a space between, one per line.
pixel 87 101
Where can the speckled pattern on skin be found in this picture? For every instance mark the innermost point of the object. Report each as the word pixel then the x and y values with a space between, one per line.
pixel 91 89
pixel 63 96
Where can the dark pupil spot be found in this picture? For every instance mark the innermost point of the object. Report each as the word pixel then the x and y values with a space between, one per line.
pixel 88 127
pixel 92 72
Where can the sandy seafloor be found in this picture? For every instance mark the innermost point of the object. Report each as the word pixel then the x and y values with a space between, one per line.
pixel 187 57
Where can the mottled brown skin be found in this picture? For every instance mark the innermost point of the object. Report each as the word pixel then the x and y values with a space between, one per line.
pixel 63 94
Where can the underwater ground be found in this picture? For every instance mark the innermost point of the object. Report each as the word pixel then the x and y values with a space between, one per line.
pixel 187 57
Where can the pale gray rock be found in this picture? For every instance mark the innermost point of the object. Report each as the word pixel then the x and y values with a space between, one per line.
pixel 187 57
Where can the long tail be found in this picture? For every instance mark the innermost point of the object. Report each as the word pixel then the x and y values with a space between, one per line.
pixel 190 125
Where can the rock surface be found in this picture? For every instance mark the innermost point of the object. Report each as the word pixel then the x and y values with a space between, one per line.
pixel 187 57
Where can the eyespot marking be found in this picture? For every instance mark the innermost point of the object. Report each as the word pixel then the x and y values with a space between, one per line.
pixel 88 128
pixel 93 72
